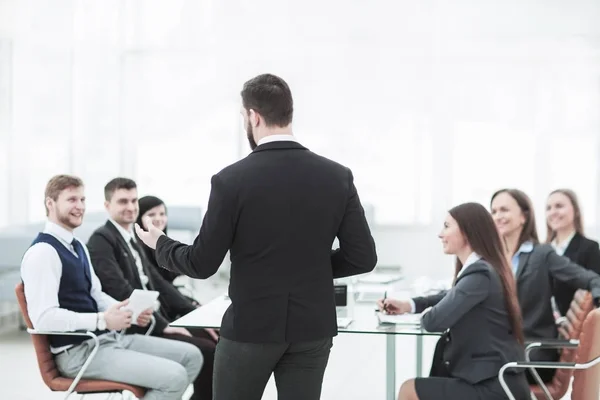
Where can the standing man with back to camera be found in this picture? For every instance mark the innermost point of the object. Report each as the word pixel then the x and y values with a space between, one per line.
pixel 278 211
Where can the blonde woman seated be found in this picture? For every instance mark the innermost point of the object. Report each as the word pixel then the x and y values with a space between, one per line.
pixel 480 313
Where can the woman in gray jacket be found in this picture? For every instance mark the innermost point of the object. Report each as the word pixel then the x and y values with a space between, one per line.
pixel 480 314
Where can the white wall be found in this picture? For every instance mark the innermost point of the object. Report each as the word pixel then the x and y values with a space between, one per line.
pixel 431 103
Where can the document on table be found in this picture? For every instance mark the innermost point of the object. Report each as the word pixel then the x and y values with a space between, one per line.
pixel 141 300
pixel 344 322
pixel 402 319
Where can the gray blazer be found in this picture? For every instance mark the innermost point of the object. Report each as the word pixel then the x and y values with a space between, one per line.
pixel 536 276
pixel 480 338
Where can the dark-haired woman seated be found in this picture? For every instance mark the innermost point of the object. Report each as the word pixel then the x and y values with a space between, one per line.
pixel 155 208
pixel 480 314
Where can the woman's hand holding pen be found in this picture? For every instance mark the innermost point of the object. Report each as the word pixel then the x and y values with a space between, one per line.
pixel 394 307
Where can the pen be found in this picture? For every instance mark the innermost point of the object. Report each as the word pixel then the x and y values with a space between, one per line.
pixel 384 297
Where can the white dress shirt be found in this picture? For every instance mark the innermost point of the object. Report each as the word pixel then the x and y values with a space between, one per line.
pixel 472 259
pixel 41 270
pixel 129 236
pixel 560 248
pixel 277 138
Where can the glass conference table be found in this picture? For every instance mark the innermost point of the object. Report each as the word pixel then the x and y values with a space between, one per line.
pixel 364 321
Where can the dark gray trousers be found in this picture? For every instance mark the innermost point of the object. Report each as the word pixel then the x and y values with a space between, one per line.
pixel 242 370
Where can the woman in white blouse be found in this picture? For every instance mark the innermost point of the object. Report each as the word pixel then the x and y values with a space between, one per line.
pixel 565 233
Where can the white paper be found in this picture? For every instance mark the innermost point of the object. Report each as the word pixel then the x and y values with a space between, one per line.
pixel 402 319
pixel 141 300
pixel 380 278
pixel 344 322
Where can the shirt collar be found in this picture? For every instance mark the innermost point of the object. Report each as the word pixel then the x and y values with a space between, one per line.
pixel 565 243
pixel 276 138
pixel 59 232
pixel 127 235
pixel 526 247
pixel 472 259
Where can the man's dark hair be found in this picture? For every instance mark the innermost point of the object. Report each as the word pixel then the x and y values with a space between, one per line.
pixel 116 184
pixel 271 97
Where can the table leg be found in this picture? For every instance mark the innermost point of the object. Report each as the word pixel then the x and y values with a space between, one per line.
pixel 419 356
pixel 390 367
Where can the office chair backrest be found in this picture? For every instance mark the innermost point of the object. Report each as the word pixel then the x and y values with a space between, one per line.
pixel 569 329
pixel 586 384
pixel 41 344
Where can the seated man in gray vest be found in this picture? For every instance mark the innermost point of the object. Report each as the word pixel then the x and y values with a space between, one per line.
pixel 64 294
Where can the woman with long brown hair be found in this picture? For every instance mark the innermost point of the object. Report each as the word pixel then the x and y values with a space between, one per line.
pixel 480 314
pixel 564 232
pixel 536 267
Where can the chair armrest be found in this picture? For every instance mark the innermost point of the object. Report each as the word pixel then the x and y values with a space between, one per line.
pixel 87 361
pixel 73 333
pixel 544 364
pixel 547 344
pixel 550 344
pixel 551 341
pixel 541 364
pixel 152 325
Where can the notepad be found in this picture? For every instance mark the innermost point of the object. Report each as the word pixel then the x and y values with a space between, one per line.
pixel 403 319
pixel 380 278
pixel 141 300
pixel 344 322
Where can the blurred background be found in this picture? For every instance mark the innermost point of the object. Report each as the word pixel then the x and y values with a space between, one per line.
pixel 430 103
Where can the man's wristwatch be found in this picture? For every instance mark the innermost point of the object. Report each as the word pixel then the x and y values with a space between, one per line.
pixel 101 322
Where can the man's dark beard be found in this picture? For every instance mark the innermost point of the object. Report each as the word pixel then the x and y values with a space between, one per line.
pixel 251 140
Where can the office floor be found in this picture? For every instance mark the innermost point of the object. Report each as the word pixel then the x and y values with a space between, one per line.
pixel 356 368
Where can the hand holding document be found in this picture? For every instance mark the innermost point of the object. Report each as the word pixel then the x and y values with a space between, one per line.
pixel 141 300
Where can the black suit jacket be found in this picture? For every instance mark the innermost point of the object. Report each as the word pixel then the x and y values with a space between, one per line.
pixel 480 339
pixel 581 251
pixel 278 211
pixel 116 268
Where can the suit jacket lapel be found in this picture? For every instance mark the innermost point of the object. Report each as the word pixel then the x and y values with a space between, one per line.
pixel 124 247
pixel 523 258
pixel 573 247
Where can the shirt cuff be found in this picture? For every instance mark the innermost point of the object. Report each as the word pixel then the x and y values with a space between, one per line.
pixel 413 307
pixel 88 321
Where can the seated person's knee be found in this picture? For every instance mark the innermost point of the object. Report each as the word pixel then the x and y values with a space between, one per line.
pixel 175 379
pixel 408 391
pixel 194 361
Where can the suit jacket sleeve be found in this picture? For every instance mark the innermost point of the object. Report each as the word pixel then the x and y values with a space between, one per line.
pixel 170 297
pixel 202 259
pixel 421 303
pixel 106 267
pixel 469 291
pixel 564 270
pixel 357 254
